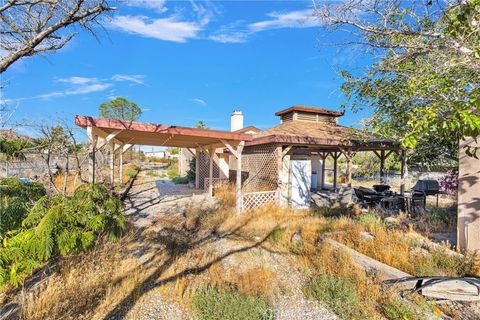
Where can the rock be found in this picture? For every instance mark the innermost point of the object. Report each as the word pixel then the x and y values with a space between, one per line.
pixel 297 237
pixel 367 235
pixel 391 221
pixel 419 253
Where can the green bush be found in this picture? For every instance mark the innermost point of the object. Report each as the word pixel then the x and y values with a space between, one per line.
pixel 172 172
pixel 180 180
pixel 132 171
pixel 276 235
pixel 441 215
pixel 340 295
pixel 370 221
pixel 60 225
pixel 16 198
pixel 395 309
pixel 212 304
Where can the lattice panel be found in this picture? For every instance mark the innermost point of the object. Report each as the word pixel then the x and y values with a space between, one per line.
pixel 260 168
pixel 203 168
pixel 253 200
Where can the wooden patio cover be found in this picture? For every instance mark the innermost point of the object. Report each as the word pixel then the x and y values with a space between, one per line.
pixel 141 133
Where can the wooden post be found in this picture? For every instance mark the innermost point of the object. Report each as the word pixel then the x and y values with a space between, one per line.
pixel 197 169
pixel 382 166
pixel 112 163
pixel 120 164
pixel 92 139
pixel 335 158
pixel 211 152
pixel 349 155
pixel 239 176
pixel 403 167
pixel 324 157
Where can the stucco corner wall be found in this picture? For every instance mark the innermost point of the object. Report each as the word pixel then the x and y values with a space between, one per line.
pixel 468 229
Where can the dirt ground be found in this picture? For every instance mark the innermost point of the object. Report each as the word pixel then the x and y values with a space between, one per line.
pixel 153 200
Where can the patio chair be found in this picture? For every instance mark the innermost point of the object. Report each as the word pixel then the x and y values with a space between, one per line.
pixel 366 197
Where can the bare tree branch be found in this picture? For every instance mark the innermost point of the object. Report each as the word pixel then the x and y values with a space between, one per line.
pixel 30 27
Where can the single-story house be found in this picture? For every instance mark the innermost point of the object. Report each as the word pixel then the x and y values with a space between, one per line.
pixel 282 164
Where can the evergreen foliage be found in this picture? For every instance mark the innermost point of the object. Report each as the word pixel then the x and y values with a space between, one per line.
pixel 60 225
pixel 16 198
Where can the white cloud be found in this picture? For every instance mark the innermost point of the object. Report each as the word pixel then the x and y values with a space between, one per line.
pixel 136 78
pixel 199 101
pixel 168 29
pixel 83 85
pixel 230 37
pixel 292 19
pixel 157 5
pixel 77 80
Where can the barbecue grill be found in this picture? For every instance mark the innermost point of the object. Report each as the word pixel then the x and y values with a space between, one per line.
pixel 427 187
pixel 422 189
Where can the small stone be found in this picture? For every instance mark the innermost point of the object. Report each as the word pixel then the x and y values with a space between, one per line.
pixel 367 235
pixel 297 237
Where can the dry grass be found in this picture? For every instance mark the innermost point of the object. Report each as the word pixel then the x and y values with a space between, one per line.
pixel 86 286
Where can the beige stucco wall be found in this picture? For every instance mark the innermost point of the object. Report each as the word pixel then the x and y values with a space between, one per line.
pixel 468 235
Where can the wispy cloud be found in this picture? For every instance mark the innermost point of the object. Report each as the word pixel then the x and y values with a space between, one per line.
pixel 168 29
pixel 157 5
pixel 196 23
pixel 77 85
pixel 199 101
pixel 135 78
pixel 238 33
pixel 291 19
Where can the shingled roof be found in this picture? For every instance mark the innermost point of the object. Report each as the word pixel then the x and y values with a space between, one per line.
pixel 321 134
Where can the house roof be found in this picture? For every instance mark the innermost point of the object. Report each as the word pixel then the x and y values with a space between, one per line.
pixel 142 133
pixel 310 110
pixel 322 135
pixel 249 128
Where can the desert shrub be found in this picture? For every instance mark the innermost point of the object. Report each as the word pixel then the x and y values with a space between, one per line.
pixel 152 173
pixel 395 309
pixel 60 225
pixel 370 221
pixel 440 218
pixel 131 171
pixel 16 198
pixel 210 303
pixel 276 235
pixel 339 294
pixel 449 183
pixel 172 172
pixel 180 180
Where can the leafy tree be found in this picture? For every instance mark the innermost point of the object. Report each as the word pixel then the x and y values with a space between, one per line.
pixel 425 86
pixel 121 109
pixel 201 125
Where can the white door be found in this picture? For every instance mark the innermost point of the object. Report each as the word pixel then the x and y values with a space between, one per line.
pixel 301 180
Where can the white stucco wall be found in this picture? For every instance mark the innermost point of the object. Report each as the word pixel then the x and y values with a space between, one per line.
pixel 468 235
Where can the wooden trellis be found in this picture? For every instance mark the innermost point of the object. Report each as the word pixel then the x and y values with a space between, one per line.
pixel 260 168
pixel 203 168
pixel 253 200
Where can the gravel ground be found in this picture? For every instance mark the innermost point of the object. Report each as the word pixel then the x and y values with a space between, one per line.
pixel 152 198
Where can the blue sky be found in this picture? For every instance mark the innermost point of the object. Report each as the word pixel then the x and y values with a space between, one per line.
pixel 184 61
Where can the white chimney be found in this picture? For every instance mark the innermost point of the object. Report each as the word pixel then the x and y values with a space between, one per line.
pixel 236 120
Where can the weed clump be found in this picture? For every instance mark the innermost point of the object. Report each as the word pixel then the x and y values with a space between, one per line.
pixel 339 294
pixel 210 303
